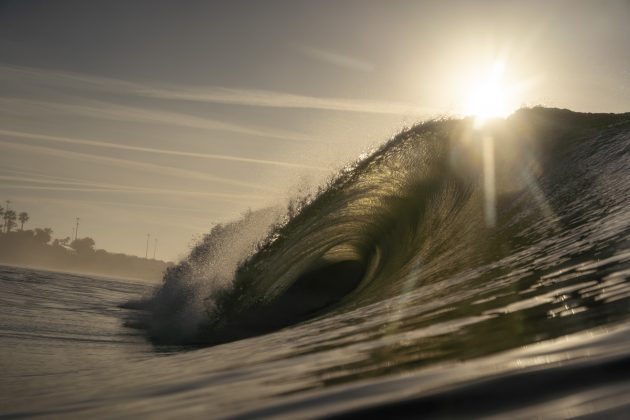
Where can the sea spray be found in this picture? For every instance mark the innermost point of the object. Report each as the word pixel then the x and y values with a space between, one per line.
pixel 183 304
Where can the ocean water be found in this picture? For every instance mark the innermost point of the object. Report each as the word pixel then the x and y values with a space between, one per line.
pixel 453 272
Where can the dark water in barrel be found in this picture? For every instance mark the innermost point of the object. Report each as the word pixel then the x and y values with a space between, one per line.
pixel 453 272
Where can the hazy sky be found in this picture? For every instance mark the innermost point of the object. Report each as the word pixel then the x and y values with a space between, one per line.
pixel 165 117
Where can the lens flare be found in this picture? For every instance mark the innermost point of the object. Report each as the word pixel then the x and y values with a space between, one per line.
pixel 490 97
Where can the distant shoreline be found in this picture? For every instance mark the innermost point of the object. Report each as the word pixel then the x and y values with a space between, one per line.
pixel 33 249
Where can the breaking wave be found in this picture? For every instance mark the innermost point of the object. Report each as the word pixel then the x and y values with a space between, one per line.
pixel 441 210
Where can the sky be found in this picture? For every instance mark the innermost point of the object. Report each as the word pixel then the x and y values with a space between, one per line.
pixel 167 117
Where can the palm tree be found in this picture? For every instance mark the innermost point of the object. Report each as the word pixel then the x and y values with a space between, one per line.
pixel 23 217
pixel 9 219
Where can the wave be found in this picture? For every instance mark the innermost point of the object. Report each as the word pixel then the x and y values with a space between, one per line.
pixel 439 207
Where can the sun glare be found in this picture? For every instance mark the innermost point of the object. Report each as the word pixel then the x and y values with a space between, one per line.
pixel 490 99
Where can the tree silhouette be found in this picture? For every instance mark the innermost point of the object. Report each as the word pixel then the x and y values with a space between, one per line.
pixel 43 236
pixel 9 219
pixel 23 217
pixel 83 245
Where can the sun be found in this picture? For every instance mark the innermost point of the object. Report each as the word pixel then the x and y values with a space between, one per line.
pixel 490 98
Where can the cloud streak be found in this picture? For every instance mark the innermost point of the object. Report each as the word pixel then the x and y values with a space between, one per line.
pixel 152 191
pixel 213 94
pixel 270 99
pixel 336 59
pixel 158 169
pixel 118 146
pixel 55 185
pixel 117 112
